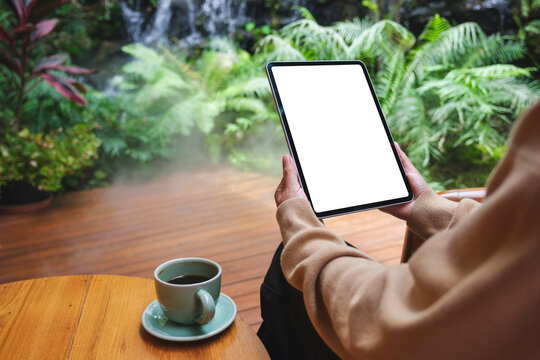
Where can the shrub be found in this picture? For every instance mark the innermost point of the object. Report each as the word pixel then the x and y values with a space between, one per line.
pixel 39 158
pixel 449 96
pixel 222 94
pixel 44 160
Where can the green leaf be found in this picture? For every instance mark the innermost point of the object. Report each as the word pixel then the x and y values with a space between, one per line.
pixel 250 26
pixel 143 53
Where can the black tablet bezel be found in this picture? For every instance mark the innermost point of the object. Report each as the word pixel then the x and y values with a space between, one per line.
pixel 292 148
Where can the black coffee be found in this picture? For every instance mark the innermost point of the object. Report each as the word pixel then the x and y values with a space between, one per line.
pixel 188 279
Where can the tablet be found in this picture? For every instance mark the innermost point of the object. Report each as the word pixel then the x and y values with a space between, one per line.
pixel 337 135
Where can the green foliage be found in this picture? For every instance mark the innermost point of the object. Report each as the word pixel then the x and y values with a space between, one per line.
pixel 452 91
pixel 223 94
pixel 257 32
pixel 43 160
pixel 44 140
pixel 527 20
pixel 373 7
pixel 450 95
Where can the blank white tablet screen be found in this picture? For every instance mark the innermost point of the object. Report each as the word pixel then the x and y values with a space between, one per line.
pixel 341 143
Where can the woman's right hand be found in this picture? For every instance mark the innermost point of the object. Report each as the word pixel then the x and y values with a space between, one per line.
pixel 418 185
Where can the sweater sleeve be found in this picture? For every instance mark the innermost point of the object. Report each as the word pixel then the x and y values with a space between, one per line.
pixel 470 292
pixel 432 213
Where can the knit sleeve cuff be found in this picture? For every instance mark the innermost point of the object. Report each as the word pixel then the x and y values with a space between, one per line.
pixel 430 214
pixel 294 215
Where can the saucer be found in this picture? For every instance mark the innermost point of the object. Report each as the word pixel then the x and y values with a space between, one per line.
pixel 156 323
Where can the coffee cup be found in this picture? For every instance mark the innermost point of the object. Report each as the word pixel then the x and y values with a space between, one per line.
pixel 188 289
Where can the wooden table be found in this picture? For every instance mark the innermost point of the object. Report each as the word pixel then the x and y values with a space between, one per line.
pixel 99 317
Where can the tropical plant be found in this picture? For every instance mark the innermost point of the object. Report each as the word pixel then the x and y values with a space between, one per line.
pixel 19 67
pixel 452 91
pixel 528 22
pixel 223 93
pixel 456 92
pixel 41 158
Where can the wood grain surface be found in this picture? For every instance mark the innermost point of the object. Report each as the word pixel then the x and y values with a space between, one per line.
pixel 130 228
pixel 99 317
pixel 38 318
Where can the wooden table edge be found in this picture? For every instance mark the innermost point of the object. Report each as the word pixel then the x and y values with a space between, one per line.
pixel 91 279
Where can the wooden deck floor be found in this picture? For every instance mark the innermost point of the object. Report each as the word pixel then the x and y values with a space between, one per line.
pixel 129 229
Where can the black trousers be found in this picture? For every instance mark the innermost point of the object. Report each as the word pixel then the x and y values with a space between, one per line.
pixel 286 331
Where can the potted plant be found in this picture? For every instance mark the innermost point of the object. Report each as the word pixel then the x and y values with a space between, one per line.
pixel 32 164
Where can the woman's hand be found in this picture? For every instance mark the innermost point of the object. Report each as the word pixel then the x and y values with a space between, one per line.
pixel 418 185
pixel 289 187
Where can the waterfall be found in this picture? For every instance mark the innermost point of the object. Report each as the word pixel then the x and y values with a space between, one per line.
pixel 133 20
pixel 191 21
pixel 223 16
pixel 158 26
pixel 220 17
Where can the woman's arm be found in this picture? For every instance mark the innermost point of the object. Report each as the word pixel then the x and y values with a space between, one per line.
pixel 471 291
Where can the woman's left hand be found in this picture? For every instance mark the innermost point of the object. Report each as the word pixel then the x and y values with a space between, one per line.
pixel 289 187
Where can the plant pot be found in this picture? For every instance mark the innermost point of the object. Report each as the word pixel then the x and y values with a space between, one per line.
pixel 21 197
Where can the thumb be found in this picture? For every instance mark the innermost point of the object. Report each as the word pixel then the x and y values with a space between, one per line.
pixel 289 171
pixel 407 164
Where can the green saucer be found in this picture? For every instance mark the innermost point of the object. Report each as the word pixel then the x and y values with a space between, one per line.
pixel 156 323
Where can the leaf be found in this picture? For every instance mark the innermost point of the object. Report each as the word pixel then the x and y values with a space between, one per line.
pixel 143 53
pixel 37 10
pixel 23 30
pixel 278 49
pixel 19 9
pixel 494 50
pixel 316 41
pixel 71 69
pixel 4 36
pixel 43 28
pixel 77 85
pixel 533 27
pixel 350 30
pixel 490 72
pixel 255 86
pixel 383 38
pixel 255 106
pixel 435 27
pixel 222 45
pixel 10 62
pixel 65 88
pixel 306 14
pixel 53 60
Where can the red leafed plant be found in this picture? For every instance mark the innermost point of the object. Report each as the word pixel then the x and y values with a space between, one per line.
pixel 17 62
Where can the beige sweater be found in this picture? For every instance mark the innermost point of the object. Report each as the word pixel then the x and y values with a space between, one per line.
pixel 471 291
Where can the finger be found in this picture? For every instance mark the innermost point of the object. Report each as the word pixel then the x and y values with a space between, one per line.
pixel 279 190
pixel 407 164
pixel 289 172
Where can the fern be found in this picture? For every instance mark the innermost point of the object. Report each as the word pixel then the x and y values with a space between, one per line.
pixel 494 50
pixel 490 72
pixel 452 91
pixel 273 47
pixel 143 53
pixel 434 28
pixel 454 87
pixel 315 41
pixel 306 14
pixel 350 30
pixel 252 87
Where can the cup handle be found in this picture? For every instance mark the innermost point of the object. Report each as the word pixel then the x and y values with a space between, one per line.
pixel 208 307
